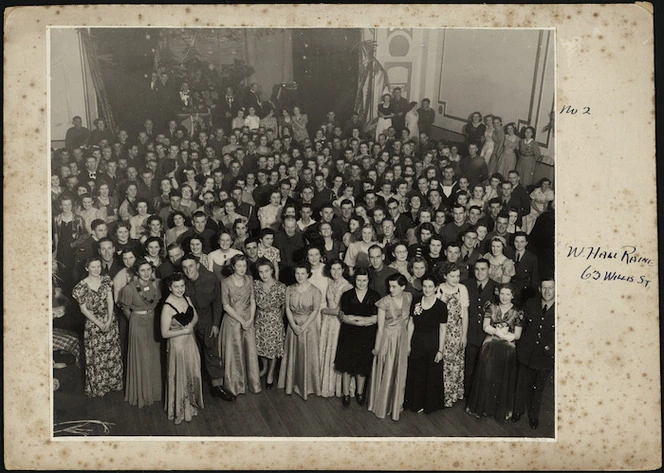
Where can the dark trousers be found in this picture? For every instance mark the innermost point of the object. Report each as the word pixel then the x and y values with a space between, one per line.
pixel 529 390
pixel 472 354
pixel 211 359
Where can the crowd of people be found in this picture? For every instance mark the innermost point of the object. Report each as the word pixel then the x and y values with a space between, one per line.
pixel 260 250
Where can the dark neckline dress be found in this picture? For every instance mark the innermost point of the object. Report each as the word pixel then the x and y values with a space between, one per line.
pixel 424 382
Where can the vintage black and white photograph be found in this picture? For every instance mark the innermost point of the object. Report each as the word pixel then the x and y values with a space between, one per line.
pixel 303 232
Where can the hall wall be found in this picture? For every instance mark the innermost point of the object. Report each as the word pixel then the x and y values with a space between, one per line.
pixel 494 71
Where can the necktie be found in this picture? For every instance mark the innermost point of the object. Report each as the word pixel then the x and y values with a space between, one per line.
pixel 93 175
pixel 545 308
pixel 480 287
pixel 518 257
pixel 105 271
pixel 465 258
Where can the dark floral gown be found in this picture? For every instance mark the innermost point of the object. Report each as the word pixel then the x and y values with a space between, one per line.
pixel 269 322
pixel 453 353
pixel 103 357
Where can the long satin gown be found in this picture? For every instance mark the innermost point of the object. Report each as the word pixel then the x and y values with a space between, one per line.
pixel 507 160
pixel 487 148
pixel 300 367
pixel 184 395
pixel 390 365
pixel 494 387
pixel 329 337
pixel 143 386
pixel 238 346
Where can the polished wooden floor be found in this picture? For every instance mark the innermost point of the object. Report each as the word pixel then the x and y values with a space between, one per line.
pixel 272 413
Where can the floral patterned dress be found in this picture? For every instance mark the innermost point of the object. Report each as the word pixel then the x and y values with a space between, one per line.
pixel 103 358
pixel 269 322
pixel 272 253
pixel 453 353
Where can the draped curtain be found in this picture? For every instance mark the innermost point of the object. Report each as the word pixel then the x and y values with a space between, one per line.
pixel 90 57
pixel 372 83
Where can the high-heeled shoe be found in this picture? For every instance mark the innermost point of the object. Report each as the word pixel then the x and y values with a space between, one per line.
pixel 345 400
pixel 360 398
pixel 269 385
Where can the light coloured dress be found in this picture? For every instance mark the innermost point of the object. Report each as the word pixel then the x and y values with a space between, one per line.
pixel 487 148
pixel 238 346
pixel 143 385
pixel 329 337
pixel 507 160
pixel 270 329
pixel 453 352
pixel 103 359
pixel 299 126
pixel 539 201
pixel 390 365
pixel 300 367
pixel 184 395
pixel 412 118
pixel 498 270
pixel 529 153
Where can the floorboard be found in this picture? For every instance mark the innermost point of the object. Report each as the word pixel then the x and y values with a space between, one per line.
pixel 272 413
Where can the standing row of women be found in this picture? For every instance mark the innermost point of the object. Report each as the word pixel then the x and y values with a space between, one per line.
pixel 502 148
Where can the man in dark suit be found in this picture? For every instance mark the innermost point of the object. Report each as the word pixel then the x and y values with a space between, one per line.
pixel 535 353
pixel 226 110
pixel 205 292
pixel 246 210
pixel 400 106
pixel 253 99
pixel 526 279
pixel 110 266
pixel 519 192
pixel 469 254
pixel 509 201
pixel 481 290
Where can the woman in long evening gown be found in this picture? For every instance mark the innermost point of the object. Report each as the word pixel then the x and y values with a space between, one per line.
pixel 412 124
pixel 270 297
pixel 426 331
pixel 300 367
pixel 455 297
pixel 498 137
pixel 507 161
pixel 184 395
pixel 357 336
pixel 138 300
pixel 237 337
pixel 529 153
pixel 299 125
pixel 487 146
pixel 385 114
pixel 101 339
pixel 67 228
pixel 493 389
pixel 390 365
pixel 329 332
